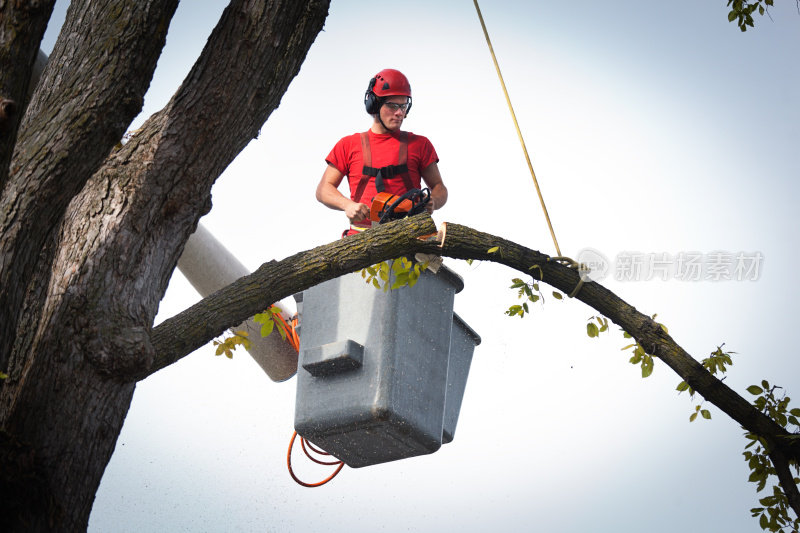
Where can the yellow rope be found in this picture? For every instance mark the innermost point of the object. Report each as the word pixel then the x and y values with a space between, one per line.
pixel 516 125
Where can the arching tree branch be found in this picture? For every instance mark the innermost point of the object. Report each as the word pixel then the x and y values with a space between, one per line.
pixel 278 279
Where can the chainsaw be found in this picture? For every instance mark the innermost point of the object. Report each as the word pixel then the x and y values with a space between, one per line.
pixel 387 206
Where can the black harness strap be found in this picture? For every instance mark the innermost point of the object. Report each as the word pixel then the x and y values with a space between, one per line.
pixel 387 172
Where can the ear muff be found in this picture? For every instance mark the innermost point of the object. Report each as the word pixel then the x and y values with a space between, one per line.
pixel 372 102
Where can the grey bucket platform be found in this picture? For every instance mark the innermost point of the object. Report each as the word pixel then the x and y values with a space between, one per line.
pixel 381 374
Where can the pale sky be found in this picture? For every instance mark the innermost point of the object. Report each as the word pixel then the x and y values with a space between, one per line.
pixel 654 128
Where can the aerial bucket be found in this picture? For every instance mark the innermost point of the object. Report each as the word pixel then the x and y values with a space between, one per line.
pixel 463 341
pixel 372 385
pixel 209 266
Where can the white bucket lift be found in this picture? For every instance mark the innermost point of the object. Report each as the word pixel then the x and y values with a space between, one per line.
pixel 209 266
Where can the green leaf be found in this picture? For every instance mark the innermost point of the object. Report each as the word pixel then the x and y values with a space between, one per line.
pixel 682 386
pixel 765 384
pixel 266 329
pixel 469 261
pixel 706 414
pixel 400 281
pixel 557 295
pixel 591 329
pixel 647 366
pixel 493 249
pixel 795 411
pixel 692 417
pixel 731 16
pixel 755 390
pixel 763 521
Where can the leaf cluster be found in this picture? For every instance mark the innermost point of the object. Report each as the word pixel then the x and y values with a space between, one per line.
pixel 594 330
pixel 774 513
pixel 640 356
pixel 241 338
pixel 529 292
pixel 715 363
pixel 229 344
pixel 268 322
pixel 742 11
pixel 405 272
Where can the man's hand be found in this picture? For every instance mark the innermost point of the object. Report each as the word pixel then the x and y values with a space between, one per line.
pixel 356 212
pixel 430 206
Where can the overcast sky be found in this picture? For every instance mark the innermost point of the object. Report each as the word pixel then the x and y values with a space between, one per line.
pixel 657 130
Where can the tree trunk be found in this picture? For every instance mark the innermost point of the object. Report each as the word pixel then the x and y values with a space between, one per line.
pixel 91 234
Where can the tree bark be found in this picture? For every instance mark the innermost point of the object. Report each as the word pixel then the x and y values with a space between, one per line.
pixel 91 234
pixel 93 87
pixel 22 26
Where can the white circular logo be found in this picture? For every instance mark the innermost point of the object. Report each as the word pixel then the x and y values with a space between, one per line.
pixel 594 265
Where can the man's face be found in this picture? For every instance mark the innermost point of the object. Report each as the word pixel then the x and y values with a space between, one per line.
pixel 393 118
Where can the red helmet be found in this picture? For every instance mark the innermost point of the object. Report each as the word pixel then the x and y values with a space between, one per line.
pixel 388 82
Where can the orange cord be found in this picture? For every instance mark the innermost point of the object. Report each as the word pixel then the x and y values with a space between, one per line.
pixel 291 333
pixel 304 443
pixel 294 340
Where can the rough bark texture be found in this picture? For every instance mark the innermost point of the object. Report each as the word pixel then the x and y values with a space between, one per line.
pixel 90 233
pixel 22 25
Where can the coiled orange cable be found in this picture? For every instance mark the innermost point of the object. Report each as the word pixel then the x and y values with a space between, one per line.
pixel 294 340
pixel 306 447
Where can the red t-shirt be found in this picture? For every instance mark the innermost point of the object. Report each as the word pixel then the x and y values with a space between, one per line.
pixel 384 148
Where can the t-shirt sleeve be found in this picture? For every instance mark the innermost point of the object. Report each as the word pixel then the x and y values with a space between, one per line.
pixel 428 154
pixel 338 157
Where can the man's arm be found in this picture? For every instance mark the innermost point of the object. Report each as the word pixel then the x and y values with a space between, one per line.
pixel 433 179
pixel 328 193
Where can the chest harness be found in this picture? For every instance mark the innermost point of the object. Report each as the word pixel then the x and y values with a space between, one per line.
pixel 398 171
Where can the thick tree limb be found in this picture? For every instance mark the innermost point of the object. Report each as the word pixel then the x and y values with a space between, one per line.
pixel 276 280
pixel 92 88
pixel 22 25
pixel 163 180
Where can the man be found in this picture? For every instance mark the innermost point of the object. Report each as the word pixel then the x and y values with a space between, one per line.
pixel 384 158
